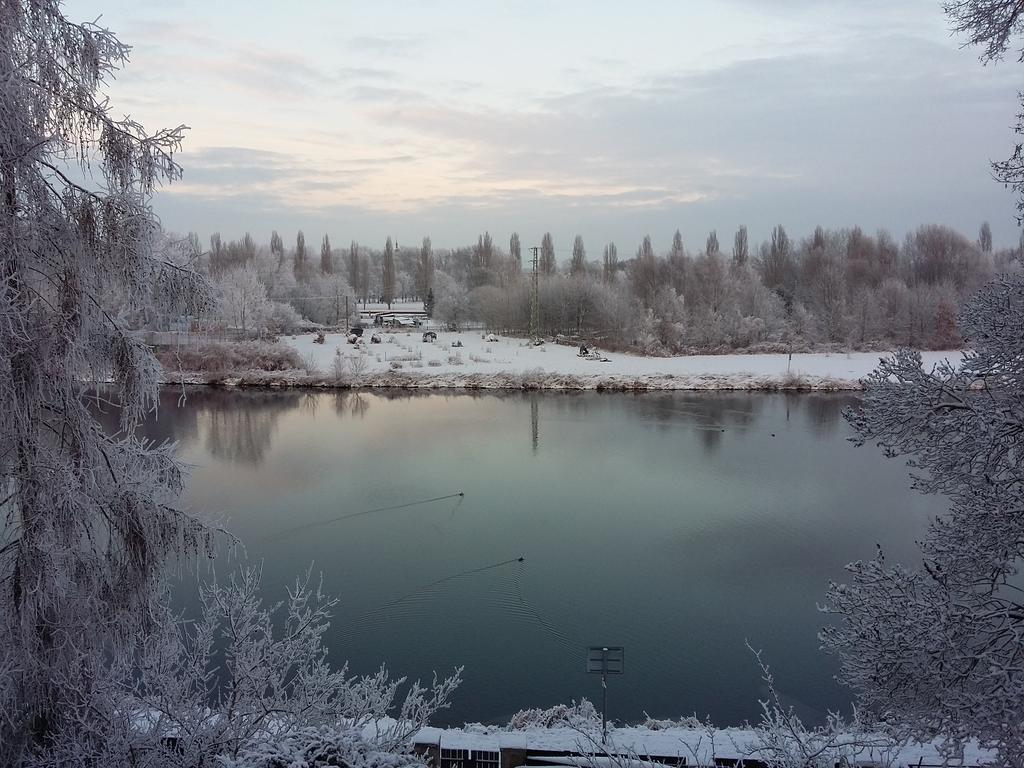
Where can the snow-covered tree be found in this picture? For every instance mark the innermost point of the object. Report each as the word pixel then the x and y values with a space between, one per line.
pixel 353 264
pixel 996 25
pixel 578 266
pixel 609 263
pixel 547 264
pixel 425 269
pixel 776 265
pixel 87 518
pixel 299 265
pixel 712 248
pixel 515 253
pixel 452 305
pixel 644 272
pixel 676 264
pixel 277 248
pixel 242 300
pixel 740 248
pixel 326 260
pixel 985 237
pixel 935 651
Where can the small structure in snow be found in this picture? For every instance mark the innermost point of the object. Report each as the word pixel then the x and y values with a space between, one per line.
pixel 352 338
pixel 429 336
pixel 355 331
pixel 457 343
pixel 491 337
pixel 375 338
pixel 319 338
pixel 591 354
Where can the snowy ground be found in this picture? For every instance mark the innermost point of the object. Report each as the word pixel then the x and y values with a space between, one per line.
pixel 404 358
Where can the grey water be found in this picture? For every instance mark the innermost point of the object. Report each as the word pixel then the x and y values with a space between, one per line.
pixel 682 526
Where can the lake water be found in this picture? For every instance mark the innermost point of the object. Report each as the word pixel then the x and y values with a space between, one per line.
pixel 679 525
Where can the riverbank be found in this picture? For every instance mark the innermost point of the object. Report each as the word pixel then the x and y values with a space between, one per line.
pixel 469 361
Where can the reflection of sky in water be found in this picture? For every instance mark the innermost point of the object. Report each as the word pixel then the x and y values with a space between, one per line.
pixel 679 525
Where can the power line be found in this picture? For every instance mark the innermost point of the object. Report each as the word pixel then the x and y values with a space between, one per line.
pixel 316 524
pixel 534 297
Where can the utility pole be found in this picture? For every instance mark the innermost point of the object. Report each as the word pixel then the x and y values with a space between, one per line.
pixel 534 297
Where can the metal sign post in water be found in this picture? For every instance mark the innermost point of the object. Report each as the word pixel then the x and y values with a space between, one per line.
pixel 605 660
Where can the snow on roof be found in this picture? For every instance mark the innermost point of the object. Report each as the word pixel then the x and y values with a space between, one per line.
pixel 699 746
pixel 674 742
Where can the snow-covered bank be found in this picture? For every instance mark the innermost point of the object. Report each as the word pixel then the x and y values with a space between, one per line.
pixel 510 381
pixel 468 360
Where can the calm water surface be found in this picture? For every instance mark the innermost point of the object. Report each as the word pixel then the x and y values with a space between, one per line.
pixel 681 526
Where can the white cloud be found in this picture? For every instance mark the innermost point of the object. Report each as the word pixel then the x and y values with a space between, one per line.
pixel 452 117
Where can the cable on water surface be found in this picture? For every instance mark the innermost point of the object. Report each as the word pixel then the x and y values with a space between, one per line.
pixel 318 523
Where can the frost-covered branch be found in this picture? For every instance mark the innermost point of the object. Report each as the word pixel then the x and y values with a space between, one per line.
pixel 938 651
pixel 88 519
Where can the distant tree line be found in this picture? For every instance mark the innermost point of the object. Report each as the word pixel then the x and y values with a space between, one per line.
pixel 830 288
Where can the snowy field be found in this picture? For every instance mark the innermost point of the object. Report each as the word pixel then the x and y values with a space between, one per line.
pixel 403 358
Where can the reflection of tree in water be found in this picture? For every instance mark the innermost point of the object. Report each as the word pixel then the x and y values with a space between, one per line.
pixel 170 422
pixel 308 403
pixel 339 401
pixel 241 425
pixel 349 403
pixel 535 421
pixel 825 411
pixel 710 414
pixel 400 394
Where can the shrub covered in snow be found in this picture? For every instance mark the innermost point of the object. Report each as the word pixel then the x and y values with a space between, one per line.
pixel 319 748
pixel 663 724
pixel 223 357
pixel 582 716
pixel 274 696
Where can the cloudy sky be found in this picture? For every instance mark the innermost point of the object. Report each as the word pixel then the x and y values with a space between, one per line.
pixel 608 119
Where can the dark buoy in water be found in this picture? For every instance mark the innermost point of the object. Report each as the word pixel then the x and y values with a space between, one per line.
pixel 773 434
pixel 521 558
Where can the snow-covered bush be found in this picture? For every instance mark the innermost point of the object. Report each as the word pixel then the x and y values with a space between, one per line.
pixel 581 716
pixel 660 724
pixel 781 740
pixel 282 318
pixel 310 363
pixel 339 367
pixel 225 357
pixel 357 364
pixel 324 747
pixel 244 682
